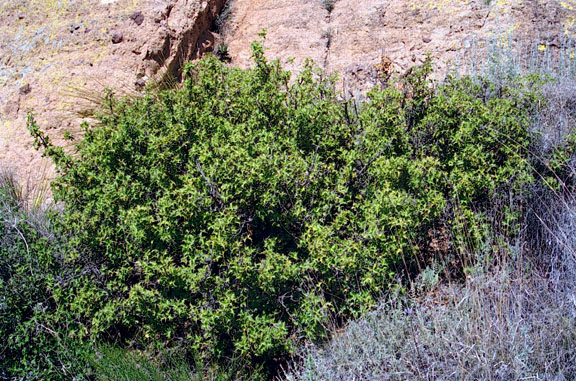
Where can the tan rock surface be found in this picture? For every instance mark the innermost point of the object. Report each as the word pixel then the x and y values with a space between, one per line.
pixel 56 53
pixel 355 36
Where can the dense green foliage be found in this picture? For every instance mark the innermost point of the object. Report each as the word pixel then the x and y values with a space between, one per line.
pixel 245 212
pixel 513 317
pixel 242 213
pixel 31 268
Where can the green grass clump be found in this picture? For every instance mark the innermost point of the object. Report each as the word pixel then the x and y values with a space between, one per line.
pixel 112 363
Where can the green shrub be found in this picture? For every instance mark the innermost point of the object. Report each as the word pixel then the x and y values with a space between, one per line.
pixel 245 212
pixel 328 5
pixel 514 316
pixel 31 268
pixel 222 52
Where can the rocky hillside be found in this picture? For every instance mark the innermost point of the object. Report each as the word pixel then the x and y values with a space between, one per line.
pixel 57 55
pixel 365 40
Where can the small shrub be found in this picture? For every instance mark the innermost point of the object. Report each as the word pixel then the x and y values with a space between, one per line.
pixel 224 16
pixel 328 5
pixel 506 56
pixel 32 339
pixel 222 52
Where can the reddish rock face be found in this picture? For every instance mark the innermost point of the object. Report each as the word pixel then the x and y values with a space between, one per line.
pixel 354 37
pixel 57 57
